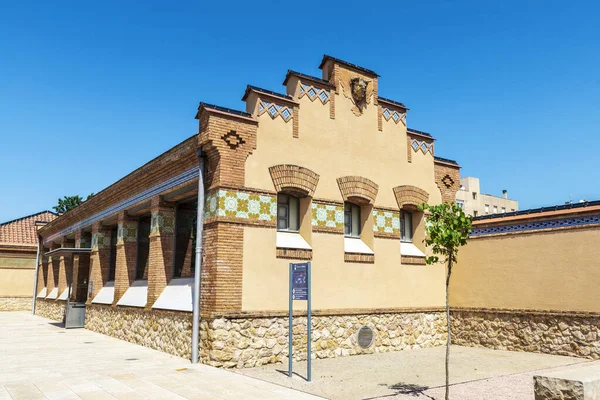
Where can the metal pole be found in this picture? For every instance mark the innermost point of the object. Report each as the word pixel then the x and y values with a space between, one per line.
pixel 309 325
pixel 290 348
pixel 198 261
pixel 35 281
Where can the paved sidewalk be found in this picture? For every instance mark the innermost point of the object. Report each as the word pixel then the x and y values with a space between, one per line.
pixel 40 360
pixel 476 374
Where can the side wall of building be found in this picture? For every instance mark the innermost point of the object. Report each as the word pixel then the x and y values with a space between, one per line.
pixel 17 270
pixel 521 288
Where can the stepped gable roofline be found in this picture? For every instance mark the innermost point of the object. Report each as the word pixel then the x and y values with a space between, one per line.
pixel 347 64
pixel 224 110
pixel 446 161
pixel 281 96
pixel 310 78
pixel 393 102
pixel 415 132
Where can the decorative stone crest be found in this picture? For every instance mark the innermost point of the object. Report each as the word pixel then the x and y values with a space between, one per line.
pixel 357 89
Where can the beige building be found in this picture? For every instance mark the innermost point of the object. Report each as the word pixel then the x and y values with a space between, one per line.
pixel 475 203
pixel 324 171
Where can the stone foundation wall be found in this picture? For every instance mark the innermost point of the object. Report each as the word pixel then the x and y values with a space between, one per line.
pixel 15 304
pixel 51 309
pixel 167 331
pixel 250 342
pixel 247 342
pixel 567 334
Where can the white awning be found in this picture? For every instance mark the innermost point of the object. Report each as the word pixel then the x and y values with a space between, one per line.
pixel 106 295
pixel 178 295
pixel 409 249
pixel 291 240
pixel 136 295
pixel 42 293
pixel 355 245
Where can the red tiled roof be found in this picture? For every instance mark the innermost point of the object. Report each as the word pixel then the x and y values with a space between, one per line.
pixel 22 230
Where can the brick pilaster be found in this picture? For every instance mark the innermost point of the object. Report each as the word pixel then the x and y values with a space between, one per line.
pixel 42 271
pixel 64 267
pixel 222 268
pixel 99 258
pixel 162 242
pixel 127 237
pixel 52 272
pixel 81 262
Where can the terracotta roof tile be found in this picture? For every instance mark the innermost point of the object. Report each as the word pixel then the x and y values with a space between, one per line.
pixel 22 230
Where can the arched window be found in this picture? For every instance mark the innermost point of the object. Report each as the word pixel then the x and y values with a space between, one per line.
pixel 288 213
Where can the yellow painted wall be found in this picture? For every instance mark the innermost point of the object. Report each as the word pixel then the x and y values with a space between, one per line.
pixel 346 145
pixel 16 282
pixel 558 270
pixel 333 148
pixel 337 284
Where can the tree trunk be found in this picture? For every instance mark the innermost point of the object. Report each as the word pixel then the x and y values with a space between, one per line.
pixel 448 326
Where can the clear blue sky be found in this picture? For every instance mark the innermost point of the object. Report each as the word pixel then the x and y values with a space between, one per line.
pixel 89 91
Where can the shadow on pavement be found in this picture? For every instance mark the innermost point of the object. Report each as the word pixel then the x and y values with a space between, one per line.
pixel 405 388
pixel 286 373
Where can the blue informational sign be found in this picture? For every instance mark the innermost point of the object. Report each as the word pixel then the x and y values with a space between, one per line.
pixel 300 281
pixel 300 290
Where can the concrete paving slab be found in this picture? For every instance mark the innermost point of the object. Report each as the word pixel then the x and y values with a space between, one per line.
pixel 409 372
pixel 41 360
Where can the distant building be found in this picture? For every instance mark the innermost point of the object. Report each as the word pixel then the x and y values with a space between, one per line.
pixel 18 249
pixel 475 203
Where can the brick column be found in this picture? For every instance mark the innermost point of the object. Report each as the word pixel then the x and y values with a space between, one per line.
pixel 52 274
pixel 160 258
pixel 126 255
pixel 99 258
pixel 64 267
pixel 82 240
pixel 222 266
pixel 42 271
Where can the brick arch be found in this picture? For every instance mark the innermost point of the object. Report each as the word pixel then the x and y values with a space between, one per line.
pixel 410 197
pixel 358 189
pixel 294 179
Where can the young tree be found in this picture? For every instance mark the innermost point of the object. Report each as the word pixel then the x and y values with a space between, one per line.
pixel 68 203
pixel 447 229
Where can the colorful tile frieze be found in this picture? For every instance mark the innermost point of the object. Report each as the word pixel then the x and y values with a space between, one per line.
pixel 17 262
pixel 100 241
pixel 327 215
pixel 163 221
pixel 386 221
pixel 127 232
pixel 263 207
pixel 250 206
